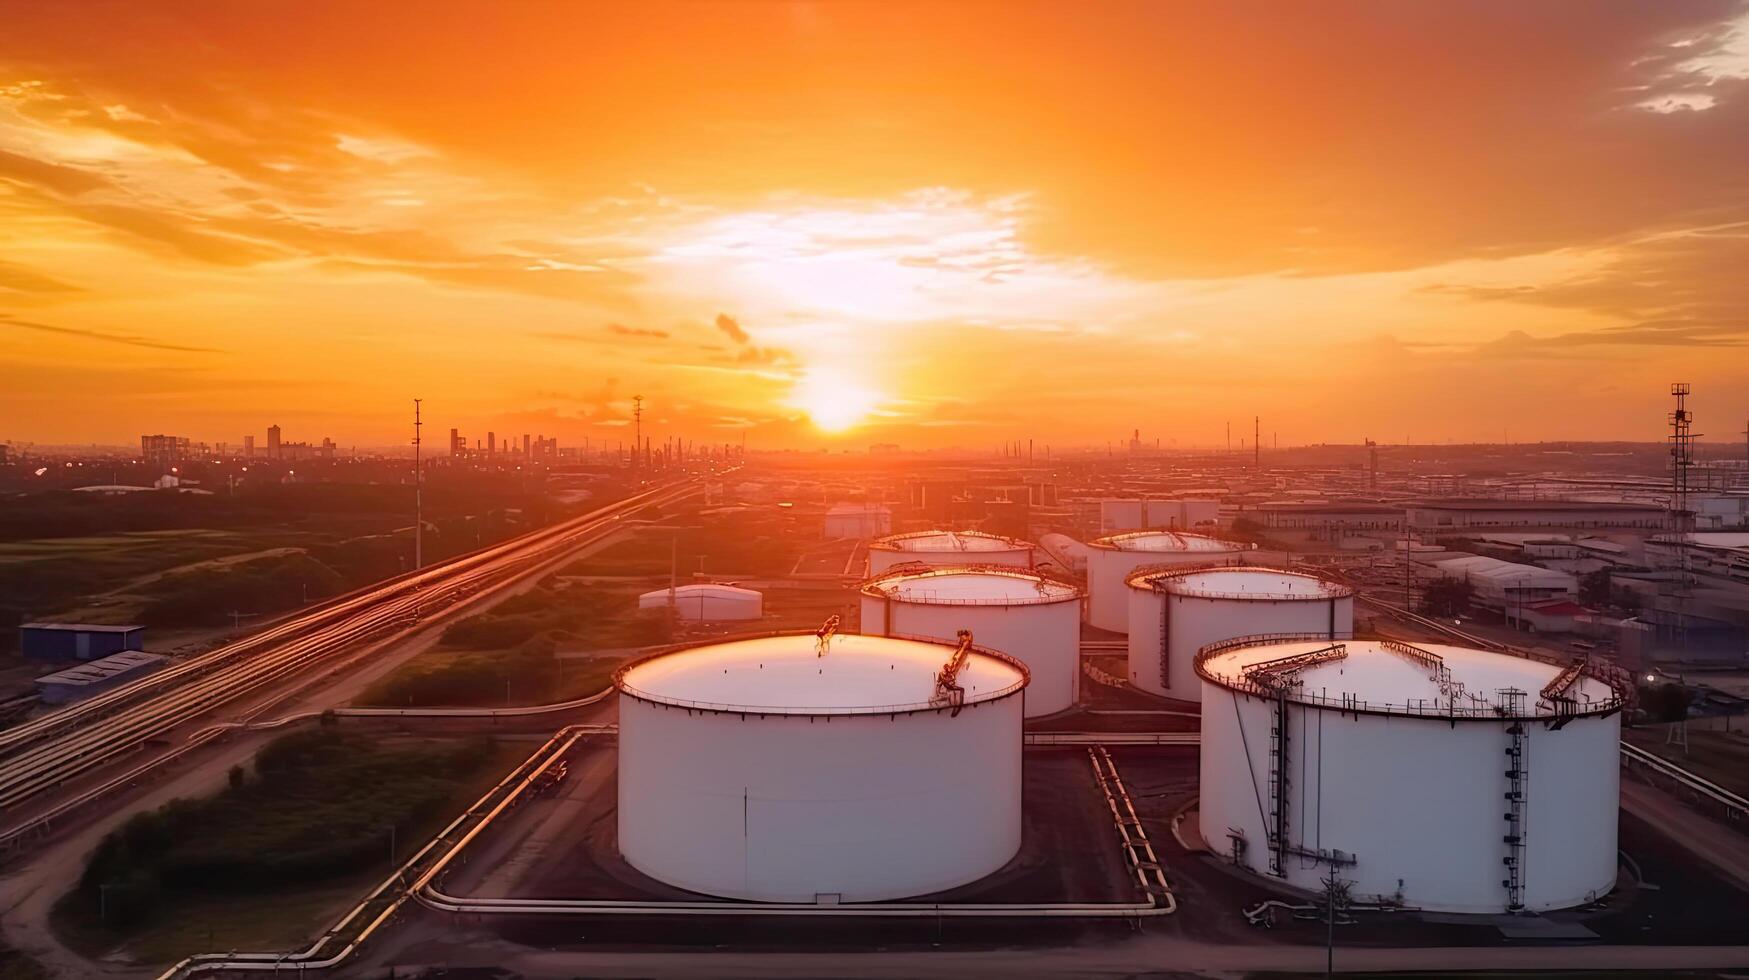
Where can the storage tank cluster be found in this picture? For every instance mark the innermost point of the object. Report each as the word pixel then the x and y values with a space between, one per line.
pixel 1438 777
pixel 1111 559
pixel 949 548
pixel 1032 618
pixel 820 767
pixel 1175 612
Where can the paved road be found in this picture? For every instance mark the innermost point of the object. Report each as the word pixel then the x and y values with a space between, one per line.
pixel 1140 956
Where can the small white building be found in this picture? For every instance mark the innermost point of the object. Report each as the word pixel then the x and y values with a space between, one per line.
pixel 851 520
pixel 1507 586
pixel 706 602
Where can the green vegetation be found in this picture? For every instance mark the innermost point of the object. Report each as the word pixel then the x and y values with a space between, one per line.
pixel 319 812
pixel 739 543
pixel 105 558
pixel 507 655
pixel 207 595
pixel 1447 597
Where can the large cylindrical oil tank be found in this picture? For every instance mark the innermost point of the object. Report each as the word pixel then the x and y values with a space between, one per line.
pixel 1032 618
pixel 1111 559
pixel 1174 612
pixel 1437 777
pixel 949 548
pixel 790 769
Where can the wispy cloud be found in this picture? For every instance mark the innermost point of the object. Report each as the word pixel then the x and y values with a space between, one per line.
pixel 131 340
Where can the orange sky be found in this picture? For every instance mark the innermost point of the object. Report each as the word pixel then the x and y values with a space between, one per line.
pixel 948 224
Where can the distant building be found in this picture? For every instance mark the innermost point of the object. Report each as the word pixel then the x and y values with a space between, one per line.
pixel 248 447
pixel 273 442
pixel 1432 516
pixel 458 446
pixel 164 451
pixel 76 641
pixel 852 520
pixel 705 602
pixel 78 683
pixel 1507 587
pixel 1328 520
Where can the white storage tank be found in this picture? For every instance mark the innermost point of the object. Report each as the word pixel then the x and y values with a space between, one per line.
pixel 1111 559
pixel 1441 777
pixel 1029 617
pixel 705 602
pixel 1174 612
pixel 949 548
pixel 788 768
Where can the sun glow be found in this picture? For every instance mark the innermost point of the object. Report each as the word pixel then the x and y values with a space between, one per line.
pixel 832 400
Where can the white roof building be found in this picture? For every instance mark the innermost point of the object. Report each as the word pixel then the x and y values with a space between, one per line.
pixel 706 602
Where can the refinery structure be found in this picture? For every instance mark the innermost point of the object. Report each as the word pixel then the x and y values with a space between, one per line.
pixel 1355 698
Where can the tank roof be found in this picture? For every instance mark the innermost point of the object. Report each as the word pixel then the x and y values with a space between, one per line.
pixel 949 541
pixel 785 674
pixel 971 585
pixel 1389 677
pixel 1165 541
pixel 1237 582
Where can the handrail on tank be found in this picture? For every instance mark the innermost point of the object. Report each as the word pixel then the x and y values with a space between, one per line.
pixel 889 542
pixel 1420 708
pixel 1110 541
pixel 1275 674
pixel 1155 575
pixel 620 685
pixel 947 686
pixel 876 586
pixel 823 635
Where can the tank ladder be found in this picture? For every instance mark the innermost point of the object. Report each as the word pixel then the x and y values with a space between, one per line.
pixel 1278 788
pixel 947 686
pixel 1165 637
pixel 1277 677
pixel 1517 779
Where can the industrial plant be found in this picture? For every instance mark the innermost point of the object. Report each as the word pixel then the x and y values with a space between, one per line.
pixel 1311 702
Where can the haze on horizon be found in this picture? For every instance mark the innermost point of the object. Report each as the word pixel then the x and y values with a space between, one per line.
pixel 836 223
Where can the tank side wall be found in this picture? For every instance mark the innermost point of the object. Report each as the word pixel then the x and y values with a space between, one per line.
pixel 1145 642
pixel 1046 638
pixel 1195 623
pixel 1573 805
pixel 1234 794
pixel 785 808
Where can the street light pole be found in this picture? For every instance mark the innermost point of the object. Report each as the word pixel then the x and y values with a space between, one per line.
pixel 418 495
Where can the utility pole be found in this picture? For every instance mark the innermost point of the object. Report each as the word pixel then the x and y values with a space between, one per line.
pixel 418 494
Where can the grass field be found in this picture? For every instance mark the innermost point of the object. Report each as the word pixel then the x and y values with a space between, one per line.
pixel 509 654
pixel 267 865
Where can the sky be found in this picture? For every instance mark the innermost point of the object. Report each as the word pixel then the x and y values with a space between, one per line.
pixel 836 224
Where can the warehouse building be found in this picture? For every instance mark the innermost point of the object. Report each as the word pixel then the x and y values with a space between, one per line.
pixel 76 641
pixel 85 680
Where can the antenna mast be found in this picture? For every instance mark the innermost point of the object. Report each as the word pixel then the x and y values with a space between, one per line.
pixel 418 494
pixel 637 428
pixel 1681 518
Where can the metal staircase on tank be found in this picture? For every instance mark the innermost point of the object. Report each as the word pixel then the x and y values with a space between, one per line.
pixel 1278 770
pixel 1277 678
pixel 1517 778
pixel 1165 637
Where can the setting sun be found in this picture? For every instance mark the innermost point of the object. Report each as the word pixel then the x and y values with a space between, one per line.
pixel 832 401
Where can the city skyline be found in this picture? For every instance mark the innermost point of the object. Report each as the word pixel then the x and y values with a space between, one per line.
pixel 825 226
